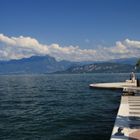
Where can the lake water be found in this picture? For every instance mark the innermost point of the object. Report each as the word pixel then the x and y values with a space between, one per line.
pixel 57 107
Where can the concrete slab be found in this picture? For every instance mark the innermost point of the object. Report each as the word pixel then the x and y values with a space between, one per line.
pixel 117 85
pixel 127 124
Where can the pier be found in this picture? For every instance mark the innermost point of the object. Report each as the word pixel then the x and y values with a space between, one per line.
pixel 127 123
pixel 117 85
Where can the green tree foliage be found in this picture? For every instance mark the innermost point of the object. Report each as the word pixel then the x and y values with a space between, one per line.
pixel 138 64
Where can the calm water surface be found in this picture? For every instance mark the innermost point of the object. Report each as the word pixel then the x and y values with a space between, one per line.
pixel 57 107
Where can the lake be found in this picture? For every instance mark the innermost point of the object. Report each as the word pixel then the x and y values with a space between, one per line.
pixel 57 107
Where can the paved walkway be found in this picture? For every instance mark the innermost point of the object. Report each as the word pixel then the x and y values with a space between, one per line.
pixel 127 124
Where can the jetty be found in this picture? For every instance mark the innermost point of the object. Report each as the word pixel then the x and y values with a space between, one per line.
pixel 133 82
pixel 117 85
pixel 127 123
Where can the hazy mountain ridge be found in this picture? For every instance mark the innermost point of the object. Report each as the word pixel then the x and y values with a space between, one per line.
pixel 48 64
pixel 132 60
pixel 101 68
pixel 34 64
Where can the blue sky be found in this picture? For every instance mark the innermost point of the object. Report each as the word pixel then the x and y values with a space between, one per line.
pixel 84 23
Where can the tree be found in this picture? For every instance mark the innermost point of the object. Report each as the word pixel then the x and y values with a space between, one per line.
pixel 138 64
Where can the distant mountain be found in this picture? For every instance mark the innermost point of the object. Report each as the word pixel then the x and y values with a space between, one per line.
pixel 101 68
pixel 48 64
pixel 34 64
pixel 131 61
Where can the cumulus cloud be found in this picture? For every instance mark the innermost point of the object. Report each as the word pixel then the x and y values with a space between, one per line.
pixel 24 47
pixel 71 53
pixel 127 48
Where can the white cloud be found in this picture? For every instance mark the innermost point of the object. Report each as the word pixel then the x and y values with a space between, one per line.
pixel 127 48
pixel 132 43
pixel 70 53
pixel 23 47
pixel 6 40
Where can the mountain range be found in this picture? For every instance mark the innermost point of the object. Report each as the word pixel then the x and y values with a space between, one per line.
pixel 132 60
pixel 34 64
pixel 48 64
pixel 106 67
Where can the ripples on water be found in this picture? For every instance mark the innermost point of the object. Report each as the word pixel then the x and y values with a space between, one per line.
pixel 57 107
